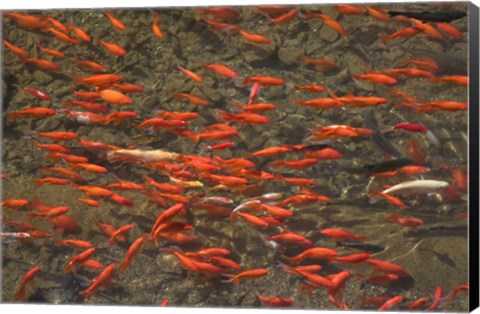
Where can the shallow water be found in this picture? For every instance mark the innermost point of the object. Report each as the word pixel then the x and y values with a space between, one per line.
pixel 434 254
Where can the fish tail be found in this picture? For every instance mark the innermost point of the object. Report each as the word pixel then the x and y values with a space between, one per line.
pixel 385 38
pixel 87 293
pixel 299 101
pixel 361 238
pixel 239 81
pixel 20 295
pixel 277 164
pixel 123 266
pixel 232 279
pixel 12 117
pixel 392 217
pixel 291 260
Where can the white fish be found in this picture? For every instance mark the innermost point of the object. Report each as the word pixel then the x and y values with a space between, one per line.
pixel 8 237
pixel 417 187
pixel 143 155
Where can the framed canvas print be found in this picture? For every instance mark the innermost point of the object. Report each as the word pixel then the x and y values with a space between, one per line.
pixel 307 156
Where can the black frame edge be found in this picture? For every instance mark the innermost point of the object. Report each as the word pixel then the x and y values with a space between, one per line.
pixel 474 238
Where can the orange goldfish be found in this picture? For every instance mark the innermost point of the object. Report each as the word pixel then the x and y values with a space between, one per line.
pixel 116 23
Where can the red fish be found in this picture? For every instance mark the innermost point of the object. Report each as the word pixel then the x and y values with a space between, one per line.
pixel 116 23
pixel 341 234
pixel 248 274
pixel 191 75
pixel 43 64
pixel 391 303
pixel 16 50
pixel 156 28
pixel 275 301
pixel 36 112
pixel 113 48
pixel 27 278
pixel 133 251
pixel 263 80
pixel 102 280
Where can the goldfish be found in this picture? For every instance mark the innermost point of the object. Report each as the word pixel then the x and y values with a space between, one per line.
pixel 80 33
pixel 454 293
pixel 244 117
pixel 27 278
pixel 43 64
pixel 119 231
pixel 313 253
pixel 449 30
pixel 191 75
pixel 224 13
pixel 414 73
pixel 29 22
pixel 290 237
pixel 36 112
pixel 224 27
pixel 391 303
pixel 57 24
pixel 54 181
pixel 254 38
pixel 156 28
pixel 14 203
pixel 49 213
pixel 390 199
pixel 89 66
pixel 428 29
pixel 295 164
pixel 115 22
pixel 378 14
pixel 297 181
pixel 66 157
pixel 63 37
pixel 320 103
pixel 79 259
pixel 330 22
pixel 461 80
pixel 263 80
pixel 247 274
pixel 222 70
pixel 52 52
pixel 347 9
pixel 102 280
pixel 79 244
pixel 409 222
pixel 93 107
pixel 133 251
pixel 94 191
pixel 284 18
pixel 251 219
pixel 361 101
pixel 418 304
pixel 100 80
pixel 316 280
pixel 16 50
pixel 411 127
pixel 129 88
pixel 353 259
pixel 89 167
pixel 340 235
pixel 191 98
pixel 387 267
pixel 112 48
pixel 274 301
pixel 376 78
pixel 115 97
pixel 318 63
pixel 311 88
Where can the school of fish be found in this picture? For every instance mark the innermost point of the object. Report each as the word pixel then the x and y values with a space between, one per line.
pixel 191 163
